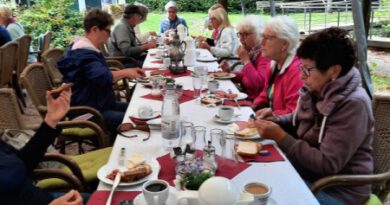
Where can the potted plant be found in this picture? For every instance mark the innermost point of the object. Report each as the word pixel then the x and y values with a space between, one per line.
pixel 191 181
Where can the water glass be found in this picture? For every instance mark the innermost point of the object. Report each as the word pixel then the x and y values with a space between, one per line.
pixel 199 134
pixel 202 71
pixel 197 83
pixel 218 136
pixel 186 137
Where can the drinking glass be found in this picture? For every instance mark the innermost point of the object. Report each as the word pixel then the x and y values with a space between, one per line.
pixel 156 82
pixel 218 136
pixel 202 71
pixel 186 137
pixel 197 83
pixel 199 134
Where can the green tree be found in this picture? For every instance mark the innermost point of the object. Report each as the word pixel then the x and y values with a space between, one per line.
pixel 56 16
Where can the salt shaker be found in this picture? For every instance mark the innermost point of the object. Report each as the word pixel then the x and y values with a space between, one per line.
pixel 121 158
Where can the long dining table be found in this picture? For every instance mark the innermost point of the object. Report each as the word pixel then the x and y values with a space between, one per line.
pixel 287 185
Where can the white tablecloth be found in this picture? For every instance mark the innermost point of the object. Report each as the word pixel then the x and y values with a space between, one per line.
pixel 287 186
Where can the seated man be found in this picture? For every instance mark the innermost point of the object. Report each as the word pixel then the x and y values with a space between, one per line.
pixel 85 66
pixel 5 37
pixel 123 40
pixel 172 21
pixel 16 166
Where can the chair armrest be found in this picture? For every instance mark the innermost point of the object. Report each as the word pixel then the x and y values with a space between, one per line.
pixel 87 109
pixel 67 161
pixel 115 63
pixel 102 137
pixel 349 180
pixel 71 179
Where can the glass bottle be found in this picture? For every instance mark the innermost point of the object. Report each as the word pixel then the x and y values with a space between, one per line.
pixel 170 118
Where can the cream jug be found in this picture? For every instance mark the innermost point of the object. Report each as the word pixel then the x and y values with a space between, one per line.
pixel 215 191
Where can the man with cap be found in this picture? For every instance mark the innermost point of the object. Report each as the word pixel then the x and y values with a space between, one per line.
pixel 172 20
pixel 123 41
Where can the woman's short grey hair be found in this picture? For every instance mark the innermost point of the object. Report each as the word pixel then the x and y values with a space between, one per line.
pixel 252 24
pixel 143 9
pixel 285 28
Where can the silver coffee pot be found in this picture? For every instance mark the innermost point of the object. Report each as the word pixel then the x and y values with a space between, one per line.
pixel 176 54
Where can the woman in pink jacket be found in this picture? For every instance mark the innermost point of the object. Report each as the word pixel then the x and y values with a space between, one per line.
pixel 252 76
pixel 280 40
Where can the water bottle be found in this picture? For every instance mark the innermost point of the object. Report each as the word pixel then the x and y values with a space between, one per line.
pixel 170 118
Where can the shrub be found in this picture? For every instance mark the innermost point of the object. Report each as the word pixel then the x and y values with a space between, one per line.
pixel 56 16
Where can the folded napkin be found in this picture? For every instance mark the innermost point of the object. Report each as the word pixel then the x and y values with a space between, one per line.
pixel 150 68
pixel 186 96
pixel 274 155
pixel 152 54
pixel 157 61
pixel 241 102
pixel 100 197
pixel 167 171
pixel 139 121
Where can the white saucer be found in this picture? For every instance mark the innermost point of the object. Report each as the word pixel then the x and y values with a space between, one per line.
pixel 154 115
pixel 219 120
pixel 140 200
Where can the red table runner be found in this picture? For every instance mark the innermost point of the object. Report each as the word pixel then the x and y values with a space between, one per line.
pixel 226 167
pixel 100 197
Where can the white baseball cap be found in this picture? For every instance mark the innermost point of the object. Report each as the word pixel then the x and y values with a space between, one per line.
pixel 170 4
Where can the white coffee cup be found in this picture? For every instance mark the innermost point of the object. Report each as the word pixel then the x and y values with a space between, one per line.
pixel 260 191
pixel 225 112
pixel 156 192
pixel 213 86
pixel 145 111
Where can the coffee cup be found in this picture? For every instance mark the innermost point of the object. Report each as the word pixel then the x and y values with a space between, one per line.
pixel 260 191
pixel 156 192
pixel 145 111
pixel 225 113
pixel 213 86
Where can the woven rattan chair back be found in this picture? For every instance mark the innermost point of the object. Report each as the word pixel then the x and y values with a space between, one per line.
pixel 10 117
pixel 36 82
pixel 23 51
pixel 8 62
pixel 381 142
pixel 50 59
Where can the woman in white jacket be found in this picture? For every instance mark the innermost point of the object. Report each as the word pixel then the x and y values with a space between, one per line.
pixel 226 42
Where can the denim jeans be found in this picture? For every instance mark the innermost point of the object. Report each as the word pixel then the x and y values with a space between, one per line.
pixel 325 198
pixel 114 117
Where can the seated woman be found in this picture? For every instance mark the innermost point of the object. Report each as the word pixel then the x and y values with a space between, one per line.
pixel 226 39
pixel 16 166
pixel 321 138
pixel 14 28
pixel 252 75
pixel 280 39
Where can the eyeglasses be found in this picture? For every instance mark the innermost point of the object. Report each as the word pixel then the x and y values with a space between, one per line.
pixel 106 30
pixel 243 35
pixel 306 71
pixel 268 37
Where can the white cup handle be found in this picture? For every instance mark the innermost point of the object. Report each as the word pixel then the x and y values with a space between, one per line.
pixel 192 195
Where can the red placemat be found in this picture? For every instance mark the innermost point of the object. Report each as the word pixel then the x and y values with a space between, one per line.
pixel 186 96
pixel 241 102
pixel 225 168
pixel 274 155
pixel 100 197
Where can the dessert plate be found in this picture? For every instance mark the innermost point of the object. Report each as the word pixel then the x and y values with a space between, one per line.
pixel 106 169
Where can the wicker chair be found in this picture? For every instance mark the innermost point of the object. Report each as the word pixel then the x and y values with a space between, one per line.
pixel 121 87
pixel 381 144
pixel 37 82
pixel 8 62
pixel 50 59
pixel 10 118
pixel 44 41
pixel 23 51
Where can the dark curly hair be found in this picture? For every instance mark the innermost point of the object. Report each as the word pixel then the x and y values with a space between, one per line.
pixel 331 46
pixel 97 17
